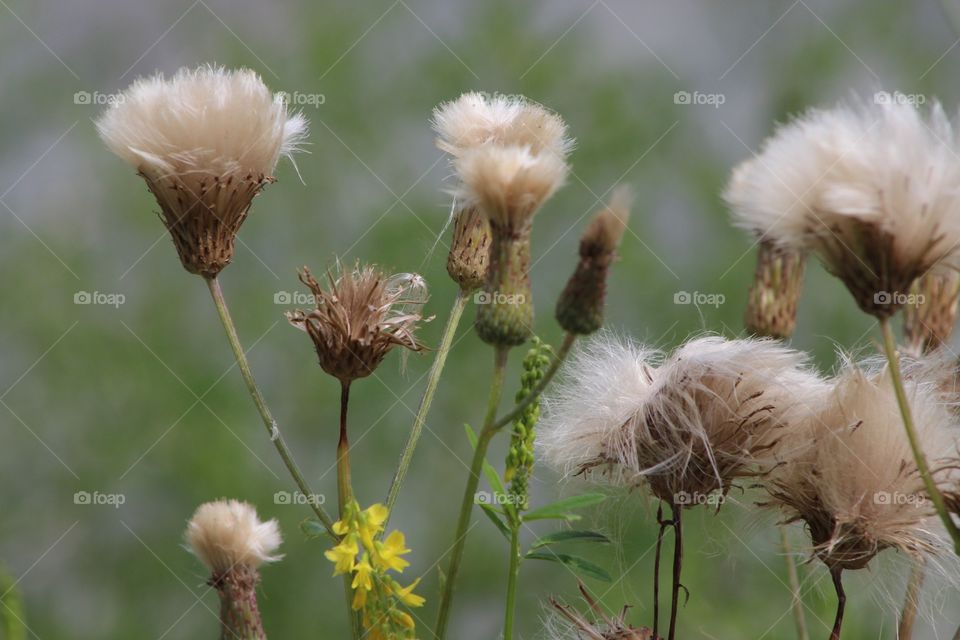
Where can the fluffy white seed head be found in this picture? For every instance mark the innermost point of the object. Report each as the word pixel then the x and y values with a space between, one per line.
pixel 226 534
pixel 871 188
pixel 475 119
pixel 855 485
pixel 211 120
pixel 690 423
pixel 509 183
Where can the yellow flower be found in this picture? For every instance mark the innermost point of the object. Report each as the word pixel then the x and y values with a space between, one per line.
pixel 359 599
pixel 407 596
pixel 370 523
pixel 363 578
pixel 343 555
pixel 341 527
pixel 391 549
pixel 403 619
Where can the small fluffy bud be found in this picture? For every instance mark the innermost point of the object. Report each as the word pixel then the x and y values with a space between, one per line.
pixel 469 255
pixel 777 284
pixel 580 307
pixel 227 533
pixel 229 538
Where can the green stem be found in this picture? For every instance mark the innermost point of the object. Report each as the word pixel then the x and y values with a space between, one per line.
pixel 345 496
pixel 794 581
pixel 512 579
pixel 911 602
pixel 890 347
pixel 469 494
pixel 538 390
pixel 275 436
pixel 426 400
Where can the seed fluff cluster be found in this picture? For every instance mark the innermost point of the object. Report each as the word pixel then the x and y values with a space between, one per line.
pixel 687 424
pixel 206 141
pixel 871 189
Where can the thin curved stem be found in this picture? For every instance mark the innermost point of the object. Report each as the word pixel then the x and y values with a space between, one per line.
pixel 268 421
pixel 890 347
pixel 469 494
pixel 345 496
pixel 538 390
pixel 449 331
pixel 677 513
pixel 793 579
pixel 837 575
pixel 512 579
pixel 911 602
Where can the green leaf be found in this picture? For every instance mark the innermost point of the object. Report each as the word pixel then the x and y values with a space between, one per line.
pixel 492 476
pixel 494 516
pixel 571 535
pixel 313 528
pixel 576 563
pixel 561 508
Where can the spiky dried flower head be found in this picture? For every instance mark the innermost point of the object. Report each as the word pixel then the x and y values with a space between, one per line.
pixel 566 623
pixel 360 316
pixel 775 292
pixel 688 424
pixel 580 306
pixel 930 313
pixel 227 535
pixel 469 256
pixel 476 119
pixel 870 188
pixel 852 479
pixel 206 141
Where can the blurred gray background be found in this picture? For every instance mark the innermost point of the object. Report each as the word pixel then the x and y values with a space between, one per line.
pixel 139 399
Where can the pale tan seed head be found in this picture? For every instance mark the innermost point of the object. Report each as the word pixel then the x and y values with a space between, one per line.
pixel 227 535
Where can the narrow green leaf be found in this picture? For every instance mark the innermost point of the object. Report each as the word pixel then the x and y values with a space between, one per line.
pixel 571 535
pixel 576 563
pixel 561 508
pixel 494 516
pixel 492 476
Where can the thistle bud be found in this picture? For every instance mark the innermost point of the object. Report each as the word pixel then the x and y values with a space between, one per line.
pixel 229 538
pixel 469 255
pixel 206 142
pixel 777 284
pixel 930 313
pixel 508 184
pixel 580 307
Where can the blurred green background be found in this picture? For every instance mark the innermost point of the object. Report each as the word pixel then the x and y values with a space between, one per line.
pixel 140 399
